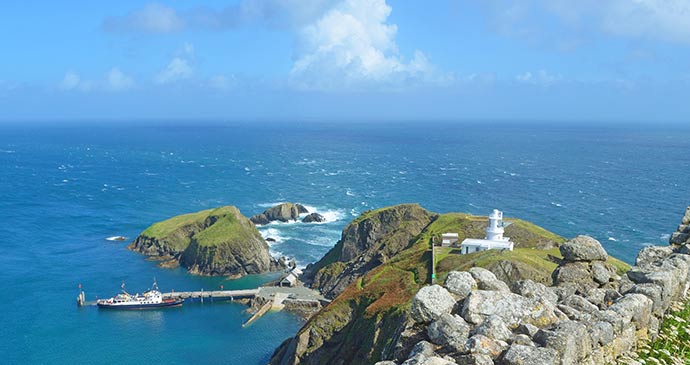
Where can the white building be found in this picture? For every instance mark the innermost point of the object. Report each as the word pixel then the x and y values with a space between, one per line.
pixel 494 237
pixel 292 278
pixel 449 239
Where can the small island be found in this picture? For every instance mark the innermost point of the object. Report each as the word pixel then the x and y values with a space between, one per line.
pixel 218 241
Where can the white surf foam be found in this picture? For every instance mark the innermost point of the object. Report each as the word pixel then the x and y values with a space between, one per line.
pixel 272 233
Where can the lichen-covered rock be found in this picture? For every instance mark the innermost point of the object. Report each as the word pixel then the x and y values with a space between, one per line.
pixel 430 303
pixel 527 329
pixel 450 331
pixel 530 289
pixel 570 340
pixel 600 273
pixel 474 359
pixel 653 292
pixel 579 303
pixel 486 280
pixel 425 348
pixel 635 308
pixel 483 345
pixel 420 359
pixel 577 274
pixel 652 254
pixel 521 339
pixel 527 355
pixel 583 248
pixel 460 284
pixel 601 333
pixel 494 327
pixel 512 308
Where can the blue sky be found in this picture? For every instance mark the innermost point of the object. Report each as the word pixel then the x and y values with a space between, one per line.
pixel 590 60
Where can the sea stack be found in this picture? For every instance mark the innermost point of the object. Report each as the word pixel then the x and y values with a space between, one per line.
pixel 284 212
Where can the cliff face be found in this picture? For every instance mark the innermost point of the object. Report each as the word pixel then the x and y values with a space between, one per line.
pixel 212 242
pixel 376 269
pixel 367 242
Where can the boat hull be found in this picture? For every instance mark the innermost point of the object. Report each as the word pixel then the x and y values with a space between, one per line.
pixel 164 304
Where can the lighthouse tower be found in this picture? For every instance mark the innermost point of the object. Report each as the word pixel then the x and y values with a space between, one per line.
pixel 494 232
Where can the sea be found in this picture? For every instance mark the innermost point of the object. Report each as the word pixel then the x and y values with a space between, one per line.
pixel 66 187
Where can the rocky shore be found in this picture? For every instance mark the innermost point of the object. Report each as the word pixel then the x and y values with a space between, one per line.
pixel 577 305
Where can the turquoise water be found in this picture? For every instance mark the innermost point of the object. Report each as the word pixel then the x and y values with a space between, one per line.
pixel 64 189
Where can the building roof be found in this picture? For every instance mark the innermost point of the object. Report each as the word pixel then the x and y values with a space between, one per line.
pixel 450 235
pixel 290 278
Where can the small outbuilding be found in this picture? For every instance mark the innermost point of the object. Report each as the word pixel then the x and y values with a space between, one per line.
pixel 290 280
pixel 449 239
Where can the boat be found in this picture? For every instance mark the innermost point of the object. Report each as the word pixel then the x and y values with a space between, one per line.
pixel 150 299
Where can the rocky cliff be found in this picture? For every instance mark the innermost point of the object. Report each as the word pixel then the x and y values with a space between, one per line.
pixel 367 242
pixel 211 242
pixel 375 270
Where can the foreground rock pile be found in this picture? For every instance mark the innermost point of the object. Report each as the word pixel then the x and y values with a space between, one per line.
pixel 590 315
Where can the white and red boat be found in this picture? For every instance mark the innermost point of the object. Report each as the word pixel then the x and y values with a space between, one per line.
pixel 152 298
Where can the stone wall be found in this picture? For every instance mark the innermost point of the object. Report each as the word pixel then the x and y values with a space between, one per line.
pixel 590 315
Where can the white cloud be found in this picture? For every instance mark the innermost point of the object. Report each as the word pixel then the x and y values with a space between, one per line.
pixel 660 20
pixel 116 80
pixel 152 18
pixel 113 80
pixel 667 20
pixel 352 44
pixel 179 68
pixel 541 77
pixel 157 18
pixel 70 81
pixel 221 82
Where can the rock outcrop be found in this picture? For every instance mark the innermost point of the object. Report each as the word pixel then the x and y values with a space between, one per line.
pixel 314 218
pixel 284 212
pixel 584 267
pixel 212 242
pixel 367 242
pixel 590 316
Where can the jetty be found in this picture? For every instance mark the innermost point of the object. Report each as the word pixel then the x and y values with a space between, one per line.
pixel 213 294
pixel 269 298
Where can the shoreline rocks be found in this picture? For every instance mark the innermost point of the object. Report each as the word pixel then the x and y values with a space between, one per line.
pixel 284 212
pixel 314 218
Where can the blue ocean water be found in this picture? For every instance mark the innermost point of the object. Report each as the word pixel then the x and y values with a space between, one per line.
pixel 65 187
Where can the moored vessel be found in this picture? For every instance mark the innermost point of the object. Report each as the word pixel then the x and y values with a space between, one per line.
pixel 150 299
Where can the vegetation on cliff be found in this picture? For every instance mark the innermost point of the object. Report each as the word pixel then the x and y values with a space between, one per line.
pixel 392 245
pixel 217 241
pixel 672 346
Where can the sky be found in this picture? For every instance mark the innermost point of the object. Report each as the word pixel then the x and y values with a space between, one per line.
pixel 589 60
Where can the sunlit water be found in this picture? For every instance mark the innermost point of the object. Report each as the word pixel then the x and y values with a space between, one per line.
pixel 64 189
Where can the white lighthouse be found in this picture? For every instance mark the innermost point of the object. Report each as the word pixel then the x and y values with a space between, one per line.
pixel 494 232
pixel 494 237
